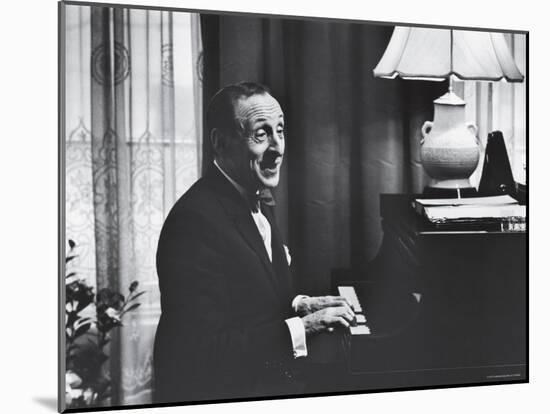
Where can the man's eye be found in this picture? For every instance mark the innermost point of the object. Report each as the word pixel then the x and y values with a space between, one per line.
pixel 280 131
pixel 260 134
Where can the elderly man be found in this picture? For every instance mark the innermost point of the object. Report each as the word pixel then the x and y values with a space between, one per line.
pixel 232 325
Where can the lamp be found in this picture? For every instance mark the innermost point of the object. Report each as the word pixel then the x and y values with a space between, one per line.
pixel 449 147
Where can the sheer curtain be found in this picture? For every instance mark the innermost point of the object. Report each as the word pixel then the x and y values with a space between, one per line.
pixel 501 106
pixel 133 146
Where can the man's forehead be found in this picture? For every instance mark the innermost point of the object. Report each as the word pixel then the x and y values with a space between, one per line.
pixel 258 106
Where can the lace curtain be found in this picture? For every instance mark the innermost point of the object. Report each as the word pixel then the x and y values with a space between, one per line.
pixel 133 146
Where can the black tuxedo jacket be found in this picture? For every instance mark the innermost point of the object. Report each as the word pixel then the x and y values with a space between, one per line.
pixel 222 333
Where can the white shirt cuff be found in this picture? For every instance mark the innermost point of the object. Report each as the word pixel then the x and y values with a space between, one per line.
pixel 297 300
pixel 298 336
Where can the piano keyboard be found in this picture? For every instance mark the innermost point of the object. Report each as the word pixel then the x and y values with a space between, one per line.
pixel 360 328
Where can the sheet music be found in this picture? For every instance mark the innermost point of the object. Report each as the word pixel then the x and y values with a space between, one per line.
pixel 442 214
pixel 477 201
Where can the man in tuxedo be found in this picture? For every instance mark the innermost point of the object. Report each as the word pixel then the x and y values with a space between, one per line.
pixel 232 325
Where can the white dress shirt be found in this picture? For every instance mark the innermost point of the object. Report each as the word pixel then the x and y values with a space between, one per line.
pixel 295 324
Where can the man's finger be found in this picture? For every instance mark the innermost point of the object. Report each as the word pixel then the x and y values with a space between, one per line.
pixel 328 300
pixel 334 301
pixel 343 322
pixel 344 312
pixel 348 309
pixel 348 315
pixel 338 298
pixel 342 299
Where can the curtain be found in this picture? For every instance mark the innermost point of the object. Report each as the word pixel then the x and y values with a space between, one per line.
pixel 133 146
pixel 350 136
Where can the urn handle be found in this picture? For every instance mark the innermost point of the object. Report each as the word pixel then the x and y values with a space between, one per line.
pixel 426 128
pixel 473 129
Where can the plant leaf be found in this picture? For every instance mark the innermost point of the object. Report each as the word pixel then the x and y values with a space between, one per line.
pixel 84 320
pixel 131 308
pixel 72 319
pixel 137 295
pixel 72 244
pixel 82 329
pixel 69 258
pixel 133 286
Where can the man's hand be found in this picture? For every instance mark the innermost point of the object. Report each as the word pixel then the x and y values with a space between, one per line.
pixel 309 305
pixel 327 319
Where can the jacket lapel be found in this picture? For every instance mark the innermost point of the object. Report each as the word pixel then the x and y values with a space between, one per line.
pixel 247 227
pixel 239 212
pixel 280 263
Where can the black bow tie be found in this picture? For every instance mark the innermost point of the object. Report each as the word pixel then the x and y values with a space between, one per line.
pixel 262 196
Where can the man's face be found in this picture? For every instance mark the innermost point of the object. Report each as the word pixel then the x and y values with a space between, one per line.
pixel 257 156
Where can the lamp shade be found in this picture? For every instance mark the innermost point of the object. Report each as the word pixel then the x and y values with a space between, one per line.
pixel 436 54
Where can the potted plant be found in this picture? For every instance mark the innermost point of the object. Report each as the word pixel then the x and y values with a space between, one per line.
pixel 89 320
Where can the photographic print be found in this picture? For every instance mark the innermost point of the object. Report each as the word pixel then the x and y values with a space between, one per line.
pixel 259 206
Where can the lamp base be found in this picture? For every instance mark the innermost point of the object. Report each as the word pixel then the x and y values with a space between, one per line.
pixel 452 184
pixel 449 149
pixel 438 192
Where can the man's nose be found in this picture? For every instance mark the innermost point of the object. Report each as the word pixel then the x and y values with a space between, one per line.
pixel 277 143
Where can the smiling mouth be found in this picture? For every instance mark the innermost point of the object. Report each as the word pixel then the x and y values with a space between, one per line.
pixel 270 161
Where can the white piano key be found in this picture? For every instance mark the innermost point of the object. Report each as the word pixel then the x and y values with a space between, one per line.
pixel 360 318
pixel 348 292
pixel 359 330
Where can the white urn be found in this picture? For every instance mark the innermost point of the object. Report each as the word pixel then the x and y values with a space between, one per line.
pixel 449 147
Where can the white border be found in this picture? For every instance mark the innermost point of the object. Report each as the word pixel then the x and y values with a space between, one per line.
pixel 28 162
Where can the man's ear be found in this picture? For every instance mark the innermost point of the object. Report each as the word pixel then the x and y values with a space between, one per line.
pixel 218 141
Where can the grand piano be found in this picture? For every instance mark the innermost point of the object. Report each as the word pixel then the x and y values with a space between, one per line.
pixel 436 307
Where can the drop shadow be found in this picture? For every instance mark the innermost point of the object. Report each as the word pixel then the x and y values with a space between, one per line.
pixel 48 402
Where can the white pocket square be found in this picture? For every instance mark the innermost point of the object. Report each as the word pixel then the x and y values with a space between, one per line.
pixel 287 252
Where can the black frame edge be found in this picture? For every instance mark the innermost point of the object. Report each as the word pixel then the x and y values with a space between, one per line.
pixel 290 16
pixel 61 403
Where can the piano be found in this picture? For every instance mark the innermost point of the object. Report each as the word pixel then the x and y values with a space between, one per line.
pixel 433 308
